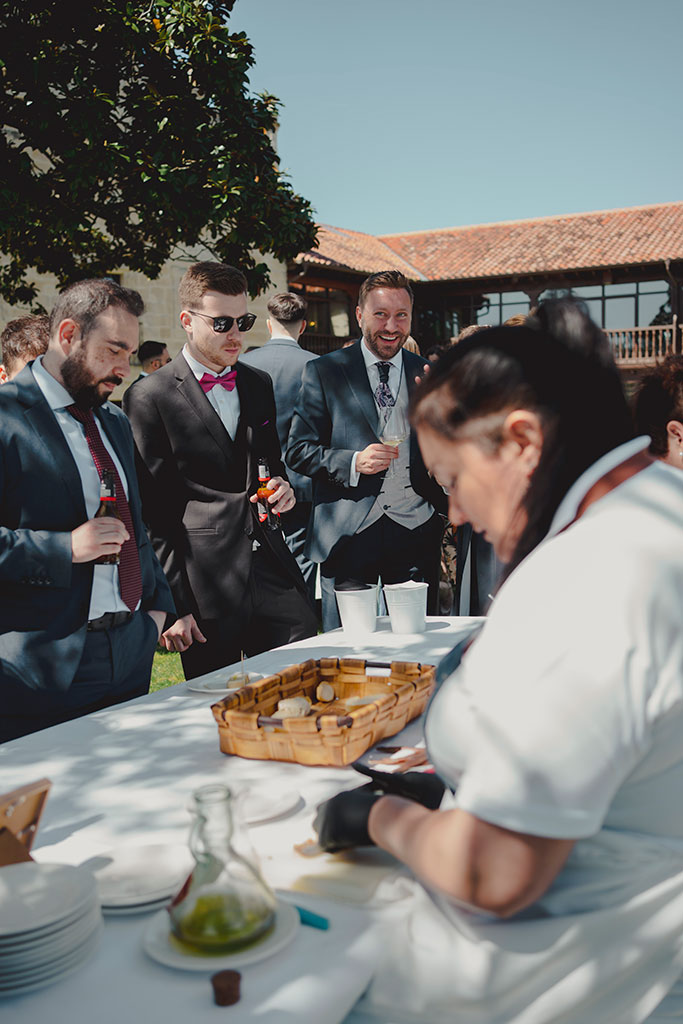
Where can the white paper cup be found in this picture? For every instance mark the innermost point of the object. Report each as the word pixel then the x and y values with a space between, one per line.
pixel 407 606
pixel 358 610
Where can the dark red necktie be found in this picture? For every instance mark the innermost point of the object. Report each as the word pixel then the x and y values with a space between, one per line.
pixel 130 580
pixel 227 381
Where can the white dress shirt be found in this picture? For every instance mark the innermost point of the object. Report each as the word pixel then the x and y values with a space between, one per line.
pixel 225 403
pixel 105 595
pixel 565 720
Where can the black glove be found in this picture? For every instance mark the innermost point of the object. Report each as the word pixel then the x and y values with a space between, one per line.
pixel 342 822
pixel 423 787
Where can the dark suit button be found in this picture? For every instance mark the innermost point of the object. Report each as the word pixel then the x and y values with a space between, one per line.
pixel 385 507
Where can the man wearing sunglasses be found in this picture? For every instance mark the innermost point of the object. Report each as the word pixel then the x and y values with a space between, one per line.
pixel 201 424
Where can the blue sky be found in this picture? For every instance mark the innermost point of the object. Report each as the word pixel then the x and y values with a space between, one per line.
pixel 401 116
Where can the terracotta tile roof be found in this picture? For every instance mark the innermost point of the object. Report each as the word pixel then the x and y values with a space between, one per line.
pixel 607 238
pixel 353 250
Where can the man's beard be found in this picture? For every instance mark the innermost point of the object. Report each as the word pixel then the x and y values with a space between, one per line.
pixel 371 337
pixel 81 384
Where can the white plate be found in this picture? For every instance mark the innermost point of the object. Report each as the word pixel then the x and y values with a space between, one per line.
pixel 258 807
pixel 36 895
pixel 47 933
pixel 54 973
pixel 45 949
pixel 137 908
pixel 157 944
pixel 221 684
pixel 132 875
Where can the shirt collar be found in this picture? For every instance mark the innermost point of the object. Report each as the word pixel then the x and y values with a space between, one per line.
pixel 54 393
pixel 372 360
pixel 569 506
pixel 199 369
pixel 283 339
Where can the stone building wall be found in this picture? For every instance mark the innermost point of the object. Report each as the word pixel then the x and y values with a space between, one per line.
pixel 160 320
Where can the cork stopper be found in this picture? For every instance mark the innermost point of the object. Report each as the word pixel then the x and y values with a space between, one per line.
pixel 226 987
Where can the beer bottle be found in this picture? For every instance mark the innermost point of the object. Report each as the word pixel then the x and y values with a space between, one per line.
pixel 107 507
pixel 266 516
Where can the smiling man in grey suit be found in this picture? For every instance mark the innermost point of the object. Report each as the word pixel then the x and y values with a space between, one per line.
pixel 283 359
pixel 75 634
pixel 201 424
pixel 366 524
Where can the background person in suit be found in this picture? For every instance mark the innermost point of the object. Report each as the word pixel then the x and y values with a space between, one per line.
pixel 22 340
pixel 283 359
pixel 200 425
pixel 366 524
pixel 152 355
pixel 75 635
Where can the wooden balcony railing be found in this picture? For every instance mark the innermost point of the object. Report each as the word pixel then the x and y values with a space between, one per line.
pixel 643 346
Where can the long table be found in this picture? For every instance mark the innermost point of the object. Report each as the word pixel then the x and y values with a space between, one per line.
pixel 124 778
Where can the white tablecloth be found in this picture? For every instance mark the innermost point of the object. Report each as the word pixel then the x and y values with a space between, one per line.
pixel 124 777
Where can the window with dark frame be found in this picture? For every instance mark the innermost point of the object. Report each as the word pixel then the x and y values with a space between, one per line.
pixel 329 310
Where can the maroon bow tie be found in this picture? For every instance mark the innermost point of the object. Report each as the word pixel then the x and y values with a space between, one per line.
pixel 227 381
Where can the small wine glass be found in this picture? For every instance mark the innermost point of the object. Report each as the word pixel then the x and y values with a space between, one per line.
pixel 393 429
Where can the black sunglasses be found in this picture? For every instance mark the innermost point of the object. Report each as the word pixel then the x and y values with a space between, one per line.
pixel 222 324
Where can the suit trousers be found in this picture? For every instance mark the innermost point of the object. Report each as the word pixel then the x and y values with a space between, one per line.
pixel 116 665
pixel 294 528
pixel 276 612
pixel 387 550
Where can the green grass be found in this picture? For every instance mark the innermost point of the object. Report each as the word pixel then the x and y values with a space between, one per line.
pixel 167 670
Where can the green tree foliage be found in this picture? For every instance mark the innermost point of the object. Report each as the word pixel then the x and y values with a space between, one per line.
pixel 129 130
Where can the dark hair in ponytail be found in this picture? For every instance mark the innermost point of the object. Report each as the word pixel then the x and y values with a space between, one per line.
pixel 560 366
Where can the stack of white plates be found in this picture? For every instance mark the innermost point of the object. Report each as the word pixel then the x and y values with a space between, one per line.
pixel 49 919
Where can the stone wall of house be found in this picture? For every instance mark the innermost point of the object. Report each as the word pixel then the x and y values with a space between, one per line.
pixel 160 320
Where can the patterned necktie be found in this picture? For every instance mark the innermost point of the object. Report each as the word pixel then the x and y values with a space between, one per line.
pixel 383 395
pixel 130 580
pixel 227 381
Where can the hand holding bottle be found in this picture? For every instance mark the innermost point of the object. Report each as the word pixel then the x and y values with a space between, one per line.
pixel 274 495
pixel 97 538
pixel 282 497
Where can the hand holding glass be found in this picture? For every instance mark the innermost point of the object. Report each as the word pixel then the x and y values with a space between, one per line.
pixel 393 429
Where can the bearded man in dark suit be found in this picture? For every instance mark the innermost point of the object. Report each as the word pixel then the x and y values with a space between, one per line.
pixel 75 634
pixel 201 425
pixel 365 524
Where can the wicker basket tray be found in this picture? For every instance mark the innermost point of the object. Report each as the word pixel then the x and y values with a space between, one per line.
pixel 334 733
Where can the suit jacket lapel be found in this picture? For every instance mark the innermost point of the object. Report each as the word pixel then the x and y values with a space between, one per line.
pixel 251 415
pixel 192 394
pixel 411 370
pixel 246 409
pixel 409 373
pixel 49 435
pixel 357 378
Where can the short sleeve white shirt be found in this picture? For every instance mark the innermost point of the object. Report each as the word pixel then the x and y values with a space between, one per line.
pixel 565 720
pixel 577 675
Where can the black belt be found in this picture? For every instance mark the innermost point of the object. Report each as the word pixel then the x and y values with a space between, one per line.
pixel 110 620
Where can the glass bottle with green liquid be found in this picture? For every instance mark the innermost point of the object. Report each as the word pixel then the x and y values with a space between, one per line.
pixel 224 905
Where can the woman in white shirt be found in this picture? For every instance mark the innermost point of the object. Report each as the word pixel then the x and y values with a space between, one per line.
pixel 555 878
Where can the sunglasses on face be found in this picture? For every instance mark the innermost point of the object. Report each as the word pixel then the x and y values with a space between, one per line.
pixel 222 324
